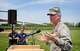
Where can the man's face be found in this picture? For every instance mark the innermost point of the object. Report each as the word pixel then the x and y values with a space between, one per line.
pixel 54 18
pixel 22 30
pixel 14 30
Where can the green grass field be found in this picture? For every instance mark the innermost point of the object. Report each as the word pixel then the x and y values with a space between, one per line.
pixel 75 35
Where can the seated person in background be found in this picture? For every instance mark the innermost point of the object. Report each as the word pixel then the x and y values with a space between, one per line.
pixel 13 38
pixel 23 38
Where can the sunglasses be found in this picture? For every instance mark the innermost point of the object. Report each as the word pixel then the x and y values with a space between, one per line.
pixel 52 14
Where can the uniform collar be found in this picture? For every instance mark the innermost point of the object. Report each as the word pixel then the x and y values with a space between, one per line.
pixel 57 25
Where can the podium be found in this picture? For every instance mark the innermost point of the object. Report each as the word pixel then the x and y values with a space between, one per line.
pixel 25 48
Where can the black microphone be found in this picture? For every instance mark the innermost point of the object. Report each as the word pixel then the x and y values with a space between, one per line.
pixel 34 32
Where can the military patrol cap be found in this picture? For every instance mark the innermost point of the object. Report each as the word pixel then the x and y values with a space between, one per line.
pixel 54 10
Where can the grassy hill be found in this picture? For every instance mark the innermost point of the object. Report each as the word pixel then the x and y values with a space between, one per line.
pixel 75 35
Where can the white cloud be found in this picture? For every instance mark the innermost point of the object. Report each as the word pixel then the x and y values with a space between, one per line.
pixel 34 2
pixel 5 5
pixel 33 17
pixel 48 1
pixel 11 5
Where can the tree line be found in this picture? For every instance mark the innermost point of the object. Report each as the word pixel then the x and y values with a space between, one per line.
pixel 42 25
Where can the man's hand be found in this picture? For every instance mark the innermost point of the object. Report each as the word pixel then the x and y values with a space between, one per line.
pixel 52 37
pixel 17 38
pixel 42 38
pixel 10 38
pixel 48 36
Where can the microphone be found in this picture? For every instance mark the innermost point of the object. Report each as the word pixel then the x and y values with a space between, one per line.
pixel 34 32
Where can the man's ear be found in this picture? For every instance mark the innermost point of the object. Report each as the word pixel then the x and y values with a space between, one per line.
pixel 58 17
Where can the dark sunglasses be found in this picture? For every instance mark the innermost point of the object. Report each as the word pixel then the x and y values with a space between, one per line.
pixel 52 14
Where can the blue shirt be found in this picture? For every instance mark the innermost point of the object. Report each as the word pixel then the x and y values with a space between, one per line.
pixel 22 37
pixel 13 36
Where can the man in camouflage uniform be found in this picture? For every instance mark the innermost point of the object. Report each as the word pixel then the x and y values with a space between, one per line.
pixel 59 39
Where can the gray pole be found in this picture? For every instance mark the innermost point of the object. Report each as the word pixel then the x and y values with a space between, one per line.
pixel 3 11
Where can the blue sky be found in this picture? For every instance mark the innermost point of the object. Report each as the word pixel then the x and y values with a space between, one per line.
pixel 35 11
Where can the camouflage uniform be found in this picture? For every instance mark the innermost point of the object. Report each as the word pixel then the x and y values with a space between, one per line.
pixel 64 42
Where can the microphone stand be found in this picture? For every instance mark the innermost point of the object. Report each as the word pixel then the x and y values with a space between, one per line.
pixel 33 40
pixel 12 28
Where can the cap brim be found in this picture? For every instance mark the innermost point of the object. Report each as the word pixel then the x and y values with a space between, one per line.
pixel 53 13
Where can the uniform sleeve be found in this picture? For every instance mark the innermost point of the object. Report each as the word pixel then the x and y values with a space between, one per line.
pixel 64 42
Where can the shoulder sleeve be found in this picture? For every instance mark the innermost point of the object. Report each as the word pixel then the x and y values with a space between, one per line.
pixel 65 40
pixel 26 34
